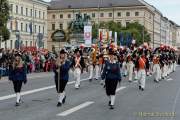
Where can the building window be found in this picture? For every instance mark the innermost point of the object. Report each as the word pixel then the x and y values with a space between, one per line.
pixel 53 26
pixel 16 25
pixel 93 15
pixel 119 22
pixel 69 15
pixel 21 10
pixel 61 16
pixel 43 15
pixel 43 29
pixel 110 14
pixel 39 29
pixel 30 43
pixel 119 14
pixel 35 29
pixel 11 25
pixel 21 26
pixel 136 13
pixel 26 27
pixel 127 23
pixel 101 14
pixel 53 16
pixel 16 9
pixel 149 16
pixel 26 11
pixel 127 13
pixel 11 8
pixel 61 26
pixel 35 13
pixel 39 14
pixel 31 12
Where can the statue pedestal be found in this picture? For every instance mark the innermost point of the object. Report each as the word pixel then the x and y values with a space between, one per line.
pixel 77 39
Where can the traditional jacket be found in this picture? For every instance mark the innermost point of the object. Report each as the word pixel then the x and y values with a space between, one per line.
pixel 82 63
pixel 62 72
pixel 17 74
pixel 111 71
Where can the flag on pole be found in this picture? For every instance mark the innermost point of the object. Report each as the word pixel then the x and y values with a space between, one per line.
pixel 115 38
pixel 100 36
pixel 110 34
pixel 108 37
pixel 121 39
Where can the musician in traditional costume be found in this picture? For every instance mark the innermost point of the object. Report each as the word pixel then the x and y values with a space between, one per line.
pixel 156 68
pixel 61 70
pixel 141 61
pixel 78 64
pixel 91 64
pixel 96 63
pixel 130 67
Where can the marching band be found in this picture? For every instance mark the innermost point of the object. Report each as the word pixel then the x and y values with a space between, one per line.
pixel 113 64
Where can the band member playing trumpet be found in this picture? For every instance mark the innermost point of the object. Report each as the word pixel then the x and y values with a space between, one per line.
pixel 61 71
pixel 78 65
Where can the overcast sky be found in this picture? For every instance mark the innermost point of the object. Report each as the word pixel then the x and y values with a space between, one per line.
pixel 169 8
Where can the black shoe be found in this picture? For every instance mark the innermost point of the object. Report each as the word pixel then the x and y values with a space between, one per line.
pixel 139 87
pixel 109 103
pixel 90 80
pixel 17 104
pixel 59 104
pixel 156 81
pixel 130 81
pixel 64 100
pixel 111 107
pixel 142 89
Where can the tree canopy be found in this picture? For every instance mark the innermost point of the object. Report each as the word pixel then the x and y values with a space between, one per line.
pixel 4 17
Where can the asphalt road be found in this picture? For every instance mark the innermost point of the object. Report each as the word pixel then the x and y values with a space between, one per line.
pixel 159 101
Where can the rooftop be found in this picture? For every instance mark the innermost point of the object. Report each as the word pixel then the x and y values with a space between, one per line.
pixel 65 4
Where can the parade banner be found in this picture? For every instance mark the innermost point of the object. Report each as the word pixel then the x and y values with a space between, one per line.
pixel 103 35
pixel 88 35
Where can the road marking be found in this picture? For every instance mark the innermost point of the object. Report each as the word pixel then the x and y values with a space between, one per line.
pixel 27 92
pixel 74 109
pixel 135 81
pixel 169 79
pixel 121 88
pixel 34 91
pixel 83 105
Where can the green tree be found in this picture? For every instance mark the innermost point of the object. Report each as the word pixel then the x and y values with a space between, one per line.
pixel 4 16
pixel 139 32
